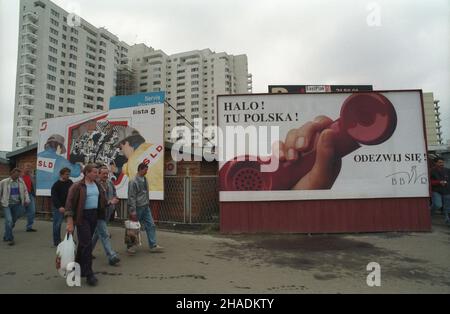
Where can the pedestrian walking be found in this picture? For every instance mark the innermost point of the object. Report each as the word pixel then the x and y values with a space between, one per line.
pixel 139 208
pixel 59 192
pixel 440 188
pixel 13 199
pixel 86 203
pixel 102 228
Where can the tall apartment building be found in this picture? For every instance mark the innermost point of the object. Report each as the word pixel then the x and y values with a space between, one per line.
pixel 68 66
pixel 192 80
pixel 432 120
pixel 61 69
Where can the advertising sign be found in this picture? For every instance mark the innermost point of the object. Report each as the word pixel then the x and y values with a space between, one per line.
pixel 120 139
pixel 322 146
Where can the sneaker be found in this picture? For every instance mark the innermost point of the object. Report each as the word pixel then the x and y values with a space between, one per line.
pixel 92 280
pixel 131 251
pixel 11 243
pixel 114 261
pixel 31 230
pixel 156 249
pixel 93 256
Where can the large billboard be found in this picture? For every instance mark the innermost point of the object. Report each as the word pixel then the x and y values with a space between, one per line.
pixel 120 139
pixel 322 146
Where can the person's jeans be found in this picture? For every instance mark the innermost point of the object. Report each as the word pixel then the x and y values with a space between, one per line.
pixel 102 232
pixel 57 222
pixel 144 215
pixel 11 213
pixel 31 212
pixel 84 249
pixel 437 201
pixel 446 207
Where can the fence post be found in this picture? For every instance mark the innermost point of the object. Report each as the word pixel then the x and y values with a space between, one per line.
pixel 187 196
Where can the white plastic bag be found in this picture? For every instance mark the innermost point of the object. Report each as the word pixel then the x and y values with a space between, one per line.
pixel 132 233
pixel 65 254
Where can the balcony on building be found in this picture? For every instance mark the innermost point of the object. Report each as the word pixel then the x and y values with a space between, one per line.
pixel 24 138
pixel 28 75
pixel 30 16
pixel 32 46
pixel 31 36
pixel 31 26
pixel 28 106
pixel 27 85
pixel 26 127
pixel 29 65
pixel 27 96
pixel 29 57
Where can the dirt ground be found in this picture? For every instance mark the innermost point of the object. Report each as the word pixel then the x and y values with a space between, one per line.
pixel 213 263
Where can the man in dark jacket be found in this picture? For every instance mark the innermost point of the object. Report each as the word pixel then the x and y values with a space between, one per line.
pixel 85 204
pixel 60 190
pixel 440 188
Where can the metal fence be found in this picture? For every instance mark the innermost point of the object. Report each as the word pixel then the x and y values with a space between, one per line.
pixel 187 200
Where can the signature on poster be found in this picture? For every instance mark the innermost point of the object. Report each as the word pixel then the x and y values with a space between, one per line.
pixel 408 177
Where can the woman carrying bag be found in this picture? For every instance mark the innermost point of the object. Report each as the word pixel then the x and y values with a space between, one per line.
pixel 85 204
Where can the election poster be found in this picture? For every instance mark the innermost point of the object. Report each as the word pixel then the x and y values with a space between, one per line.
pixel 119 139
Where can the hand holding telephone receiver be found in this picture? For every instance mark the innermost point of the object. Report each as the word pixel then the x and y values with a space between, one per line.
pixel 365 118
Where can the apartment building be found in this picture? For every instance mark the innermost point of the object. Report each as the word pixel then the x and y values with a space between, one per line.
pixel 432 120
pixel 68 66
pixel 65 66
pixel 192 80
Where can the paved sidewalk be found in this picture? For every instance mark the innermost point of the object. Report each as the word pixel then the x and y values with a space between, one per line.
pixel 197 263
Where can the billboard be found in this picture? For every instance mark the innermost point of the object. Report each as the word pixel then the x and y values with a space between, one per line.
pixel 120 139
pixel 141 99
pixel 306 89
pixel 322 146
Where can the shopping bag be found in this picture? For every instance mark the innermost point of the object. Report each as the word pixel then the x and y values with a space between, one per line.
pixel 132 233
pixel 65 254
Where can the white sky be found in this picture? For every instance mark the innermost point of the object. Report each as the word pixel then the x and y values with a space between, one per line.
pixel 286 41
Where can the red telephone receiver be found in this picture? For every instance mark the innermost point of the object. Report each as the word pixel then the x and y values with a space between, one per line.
pixel 365 118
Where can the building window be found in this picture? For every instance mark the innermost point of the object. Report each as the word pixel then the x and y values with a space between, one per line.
pixel 51 87
pixel 49 115
pixel 53 40
pixel 54 22
pixel 54 13
pixel 50 106
pixel 51 78
pixel 53 50
pixel 54 31
pixel 50 97
pixel 60 109
pixel 71 110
